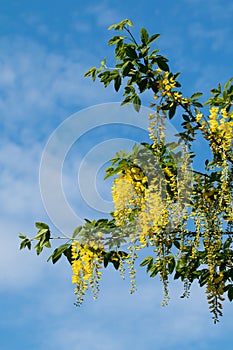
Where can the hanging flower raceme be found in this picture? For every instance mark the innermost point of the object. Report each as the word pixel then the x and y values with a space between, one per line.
pixel 86 265
pixel 128 193
pixel 166 83
pixel 153 216
pixel 218 129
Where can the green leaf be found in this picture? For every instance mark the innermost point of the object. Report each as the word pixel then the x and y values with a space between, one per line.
pixel 127 100
pixel 154 271
pixel 196 95
pixel 131 52
pixel 171 264
pixel 22 236
pixel 177 244
pixel 123 254
pixel 41 233
pixel 77 231
pixel 106 77
pixel 115 40
pixel 116 263
pixel 25 243
pixel 152 38
pixel 144 36
pixel 227 243
pixel 68 254
pixel 230 293
pixel 177 275
pixel 41 225
pixel 228 83
pixel 91 72
pixel 161 62
pixel 224 95
pixel 47 244
pixel 119 50
pixel 117 83
pixel 121 25
pixel 137 103
pixel 126 68
pixel 197 104
pixel 172 111
pixel 142 85
pixel 146 261
pixel 56 255
pixel 106 260
pixel 204 277
pixel 149 266
pixel 214 91
pixel 186 117
pixel 230 273
pixel 22 244
pixel 144 52
pixel 38 248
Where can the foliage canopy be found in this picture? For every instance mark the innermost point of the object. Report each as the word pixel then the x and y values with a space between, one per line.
pixel 182 215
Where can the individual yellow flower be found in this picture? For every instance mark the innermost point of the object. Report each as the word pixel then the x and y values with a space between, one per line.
pixel 199 117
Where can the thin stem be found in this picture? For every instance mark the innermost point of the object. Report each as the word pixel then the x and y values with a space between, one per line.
pixel 187 110
pixel 187 233
pixel 200 173
pixel 131 35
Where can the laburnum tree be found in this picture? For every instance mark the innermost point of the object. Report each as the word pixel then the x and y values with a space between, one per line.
pixel 181 217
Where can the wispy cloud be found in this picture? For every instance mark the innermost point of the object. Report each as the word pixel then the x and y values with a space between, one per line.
pixel 104 14
pixel 38 86
pixel 217 37
pixel 18 270
pixel 216 8
pixel 119 320
pixel 20 205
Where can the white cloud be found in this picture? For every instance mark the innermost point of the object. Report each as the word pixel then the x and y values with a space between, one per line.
pixel 38 87
pixel 36 79
pixel 218 37
pixel 220 11
pixel 117 320
pixel 82 26
pixel 19 180
pixel 216 8
pixel 20 206
pixel 18 269
pixel 104 15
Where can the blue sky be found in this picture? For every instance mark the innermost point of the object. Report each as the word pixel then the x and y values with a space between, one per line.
pixel 45 48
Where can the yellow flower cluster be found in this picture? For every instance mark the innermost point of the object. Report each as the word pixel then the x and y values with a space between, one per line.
pixel 127 193
pixel 219 129
pixel 86 265
pixel 123 194
pixel 153 216
pixel 171 182
pixel 157 126
pixel 213 122
pixel 138 179
pixel 153 203
pixel 161 205
pixel 165 86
